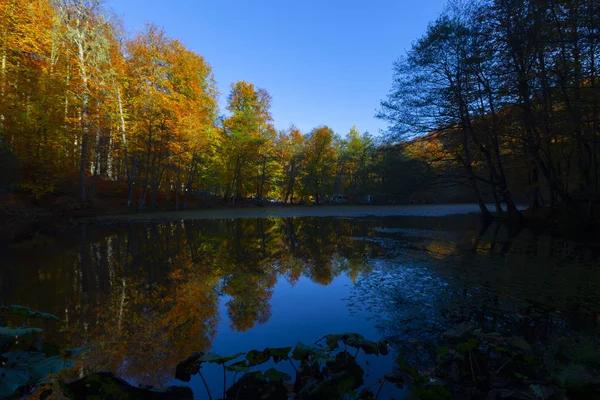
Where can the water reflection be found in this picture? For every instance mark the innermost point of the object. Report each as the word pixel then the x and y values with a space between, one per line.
pixel 435 277
pixel 146 296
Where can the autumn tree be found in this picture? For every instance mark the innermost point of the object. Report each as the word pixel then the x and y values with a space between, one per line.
pixel 290 146
pixel 246 132
pixel 320 161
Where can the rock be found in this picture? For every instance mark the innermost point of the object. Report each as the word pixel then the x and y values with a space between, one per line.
pixel 105 385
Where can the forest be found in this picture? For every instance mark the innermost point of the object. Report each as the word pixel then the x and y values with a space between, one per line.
pixel 83 102
pixel 495 105
pixel 506 92
pixel 497 102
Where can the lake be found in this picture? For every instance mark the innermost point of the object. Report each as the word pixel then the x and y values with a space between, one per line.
pixel 145 295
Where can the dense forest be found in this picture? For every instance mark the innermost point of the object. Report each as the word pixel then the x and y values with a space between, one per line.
pixel 496 102
pixel 505 93
pixel 83 100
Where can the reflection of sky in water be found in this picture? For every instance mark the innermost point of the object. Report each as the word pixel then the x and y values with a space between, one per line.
pixel 424 279
pixel 304 312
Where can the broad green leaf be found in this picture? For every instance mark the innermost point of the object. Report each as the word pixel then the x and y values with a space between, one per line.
pixel 369 347
pixel 277 376
pixel 256 357
pixel 383 347
pixel 333 341
pixel 240 366
pixel 278 353
pixel 217 359
pixel 302 351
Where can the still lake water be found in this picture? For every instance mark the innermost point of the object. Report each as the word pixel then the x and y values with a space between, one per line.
pixel 147 295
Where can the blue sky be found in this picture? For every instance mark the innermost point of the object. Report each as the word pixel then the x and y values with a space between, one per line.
pixel 324 62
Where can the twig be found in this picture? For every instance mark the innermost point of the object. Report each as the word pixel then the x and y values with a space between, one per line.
pixel 503 365
pixel 321 339
pixel 205 384
pixel 380 387
pixel 471 364
pixel 224 382
pixel 365 390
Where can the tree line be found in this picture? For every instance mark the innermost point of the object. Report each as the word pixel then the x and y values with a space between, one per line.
pixel 80 98
pixel 506 94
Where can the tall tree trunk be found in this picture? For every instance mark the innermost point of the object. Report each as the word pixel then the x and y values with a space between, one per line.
pixel 188 187
pixel 177 187
pixel 144 190
pixel 128 171
pixel 2 93
pixel 84 120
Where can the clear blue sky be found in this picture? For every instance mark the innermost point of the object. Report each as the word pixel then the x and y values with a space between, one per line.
pixel 323 61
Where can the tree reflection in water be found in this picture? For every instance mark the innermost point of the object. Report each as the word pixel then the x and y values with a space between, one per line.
pixel 434 278
pixel 146 296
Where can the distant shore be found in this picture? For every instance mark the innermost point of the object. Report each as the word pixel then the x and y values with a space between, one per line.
pixel 290 211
